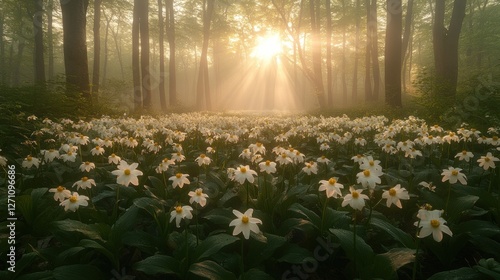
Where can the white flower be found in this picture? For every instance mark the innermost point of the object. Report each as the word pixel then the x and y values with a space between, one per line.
pixel 74 202
pixel 355 199
pixel 257 148
pixel 181 212
pixel 431 222
pixel 198 196
pixel 3 161
pixel 69 156
pixel 331 187
pixel 453 175
pixel 179 179
pixel 84 183
pixel 487 161
pixel 114 159
pixel 246 154
pixel 30 161
pixel 203 160
pixel 368 178
pixel 268 167
pixel 178 157
pixel 311 167
pixel 87 166
pixel 97 151
pixel 429 186
pixel 60 193
pixel 464 155
pixel 50 155
pixel 127 174
pixel 245 223
pixel 394 195
pixel 244 173
pixel 323 159
pixel 283 159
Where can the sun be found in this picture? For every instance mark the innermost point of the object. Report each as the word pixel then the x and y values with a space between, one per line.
pixel 267 47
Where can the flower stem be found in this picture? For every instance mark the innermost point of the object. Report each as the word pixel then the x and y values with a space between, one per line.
pixel 415 263
pixel 354 243
pixel 196 213
pixel 447 199
pixel 247 193
pixel 323 215
pixel 242 262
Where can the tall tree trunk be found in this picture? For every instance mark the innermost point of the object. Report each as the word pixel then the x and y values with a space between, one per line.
pixel 316 53
pixel 39 62
pixel 172 78
pixel 445 41
pixel 97 49
pixel 344 60
pixel 329 53
pixel 406 39
pixel 369 35
pixel 50 39
pixel 106 50
pixel 3 80
pixel 145 71
pixel 356 54
pixel 203 85
pixel 136 67
pixel 16 74
pixel 115 34
pixel 161 84
pixel 75 45
pixel 374 52
pixel 393 53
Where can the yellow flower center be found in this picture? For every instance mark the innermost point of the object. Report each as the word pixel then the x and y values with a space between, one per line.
pixel 202 155
pixel 243 170
pixel 113 155
pixel 359 156
pixel 97 147
pixel 495 138
pixel 178 154
pixel 73 199
pixel 283 155
pixel 199 192
pixel 258 144
pixel 454 172
pixel 60 189
pixel 268 162
pixel 486 159
pixel 70 153
pixel 332 181
pixel 366 173
pixel 126 172
pixel 430 137
pixel 178 209
pixel 355 194
pixel 165 160
pixel 392 192
pixel 85 179
pixel 244 219
pixel 29 158
pixel 51 150
pixel 464 152
pixel 178 175
pixel 435 223
pixel 87 163
pixel 371 163
pixel 323 157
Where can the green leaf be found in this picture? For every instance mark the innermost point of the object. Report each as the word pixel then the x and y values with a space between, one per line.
pixel 294 254
pixel 303 212
pixel 255 273
pixel 158 264
pixel 124 223
pixel 220 216
pixel 150 205
pixel 61 257
pixel 261 252
pixel 211 270
pixel 87 243
pixel 157 183
pixel 458 205
pixel 399 257
pixel 299 223
pixel 77 272
pixel 464 273
pixel 477 227
pixel 361 252
pixel 399 235
pixel 77 226
pixel 144 241
pixel 212 245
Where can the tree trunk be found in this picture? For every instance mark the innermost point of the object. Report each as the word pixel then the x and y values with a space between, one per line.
pixel 106 50
pixel 97 49
pixel 406 39
pixel 329 53
pixel 316 53
pixel 145 71
pixel 393 46
pixel 161 84
pixel 356 54
pixel 344 60
pixel 203 85
pixel 3 80
pixel 39 62
pixel 374 52
pixel 50 39
pixel 75 46
pixel 136 68
pixel 172 78
pixel 369 31
pixel 445 43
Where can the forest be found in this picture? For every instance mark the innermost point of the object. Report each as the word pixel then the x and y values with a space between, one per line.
pixel 250 139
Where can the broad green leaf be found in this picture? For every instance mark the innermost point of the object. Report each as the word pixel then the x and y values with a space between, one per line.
pixel 486 244
pixel 220 216
pixel 458 205
pixel 42 275
pixel 261 252
pixel 23 263
pixel 399 257
pixel 306 213
pixel 299 223
pixel 87 243
pixel 77 226
pixel 477 227
pixel 464 273
pixel 212 245
pixel 124 223
pixel 150 205
pixel 361 252
pixel 158 264
pixel 254 273
pixel 295 254
pixel 211 270
pixel 77 272
pixel 61 257
pixel 144 241
pixel 399 235
pixel 157 183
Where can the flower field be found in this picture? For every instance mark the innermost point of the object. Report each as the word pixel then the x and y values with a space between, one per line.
pixel 247 196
